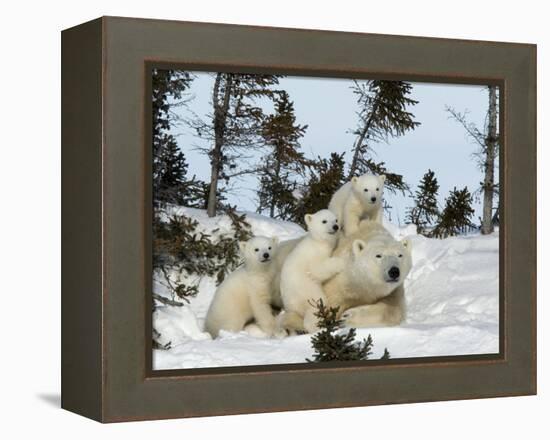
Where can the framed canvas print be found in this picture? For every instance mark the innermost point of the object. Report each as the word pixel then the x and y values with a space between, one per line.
pixel 263 219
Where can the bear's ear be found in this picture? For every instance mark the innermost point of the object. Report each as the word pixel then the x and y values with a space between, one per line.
pixel 358 246
pixel 274 241
pixel 406 244
pixel 354 180
pixel 308 218
pixel 382 178
pixel 242 246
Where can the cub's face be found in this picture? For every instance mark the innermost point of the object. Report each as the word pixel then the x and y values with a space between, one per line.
pixel 369 188
pixel 384 263
pixel 258 251
pixel 323 224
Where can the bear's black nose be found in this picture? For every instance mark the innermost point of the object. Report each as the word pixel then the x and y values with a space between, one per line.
pixel 266 255
pixel 373 199
pixel 335 227
pixel 393 272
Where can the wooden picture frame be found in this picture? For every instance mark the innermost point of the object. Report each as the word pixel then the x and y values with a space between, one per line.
pixel 107 205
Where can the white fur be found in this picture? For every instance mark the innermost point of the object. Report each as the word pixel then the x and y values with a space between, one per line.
pixel 284 248
pixel 365 291
pixel 359 199
pixel 245 294
pixel 306 267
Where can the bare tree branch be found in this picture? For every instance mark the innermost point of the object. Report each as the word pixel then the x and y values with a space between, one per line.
pixel 166 301
pixel 472 131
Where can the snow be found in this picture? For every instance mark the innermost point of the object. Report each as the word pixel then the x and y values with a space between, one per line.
pixel 452 306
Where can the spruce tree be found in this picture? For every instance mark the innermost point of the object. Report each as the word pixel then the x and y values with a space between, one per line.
pixel 456 216
pixel 169 166
pixel 234 126
pixel 331 343
pixel 386 355
pixel 175 165
pixel 488 142
pixel 173 185
pixel 283 162
pixel 425 211
pixel 180 245
pixel 382 114
pixel 325 177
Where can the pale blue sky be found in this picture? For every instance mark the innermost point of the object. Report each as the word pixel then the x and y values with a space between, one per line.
pixel 329 107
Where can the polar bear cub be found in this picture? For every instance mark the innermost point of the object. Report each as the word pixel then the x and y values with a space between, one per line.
pixel 306 268
pixel 246 293
pixel 359 199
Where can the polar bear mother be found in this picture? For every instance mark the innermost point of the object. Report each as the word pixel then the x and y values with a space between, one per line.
pixel 369 291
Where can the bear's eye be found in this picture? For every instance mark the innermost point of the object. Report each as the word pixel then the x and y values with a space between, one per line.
pixel 377 189
pixel 269 248
pixel 324 221
pixel 400 255
pixel 256 250
pixel 378 256
pixel 366 190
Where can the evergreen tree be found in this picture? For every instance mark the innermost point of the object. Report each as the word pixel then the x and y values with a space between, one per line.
pixel 425 211
pixel 170 184
pixel 386 354
pixel 382 114
pixel 173 185
pixel 487 140
pixel 180 245
pixel 175 165
pixel 456 216
pixel 234 126
pixel 284 162
pixel 325 177
pixel 331 343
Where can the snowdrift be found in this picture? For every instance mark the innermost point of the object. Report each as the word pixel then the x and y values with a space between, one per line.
pixel 451 292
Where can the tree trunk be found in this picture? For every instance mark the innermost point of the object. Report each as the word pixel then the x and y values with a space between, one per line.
pixel 214 176
pixel 491 143
pixel 496 215
pixel 359 142
pixel 220 117
pixel 357 147
pixel 276 179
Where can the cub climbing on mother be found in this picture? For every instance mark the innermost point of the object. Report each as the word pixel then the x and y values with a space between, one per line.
pixel 358 199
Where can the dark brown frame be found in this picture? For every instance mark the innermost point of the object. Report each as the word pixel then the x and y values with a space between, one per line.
pixel 106 215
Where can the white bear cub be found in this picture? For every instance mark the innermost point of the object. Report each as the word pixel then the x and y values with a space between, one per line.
pixel 359 199
pixel 246 293
pixel 306 268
